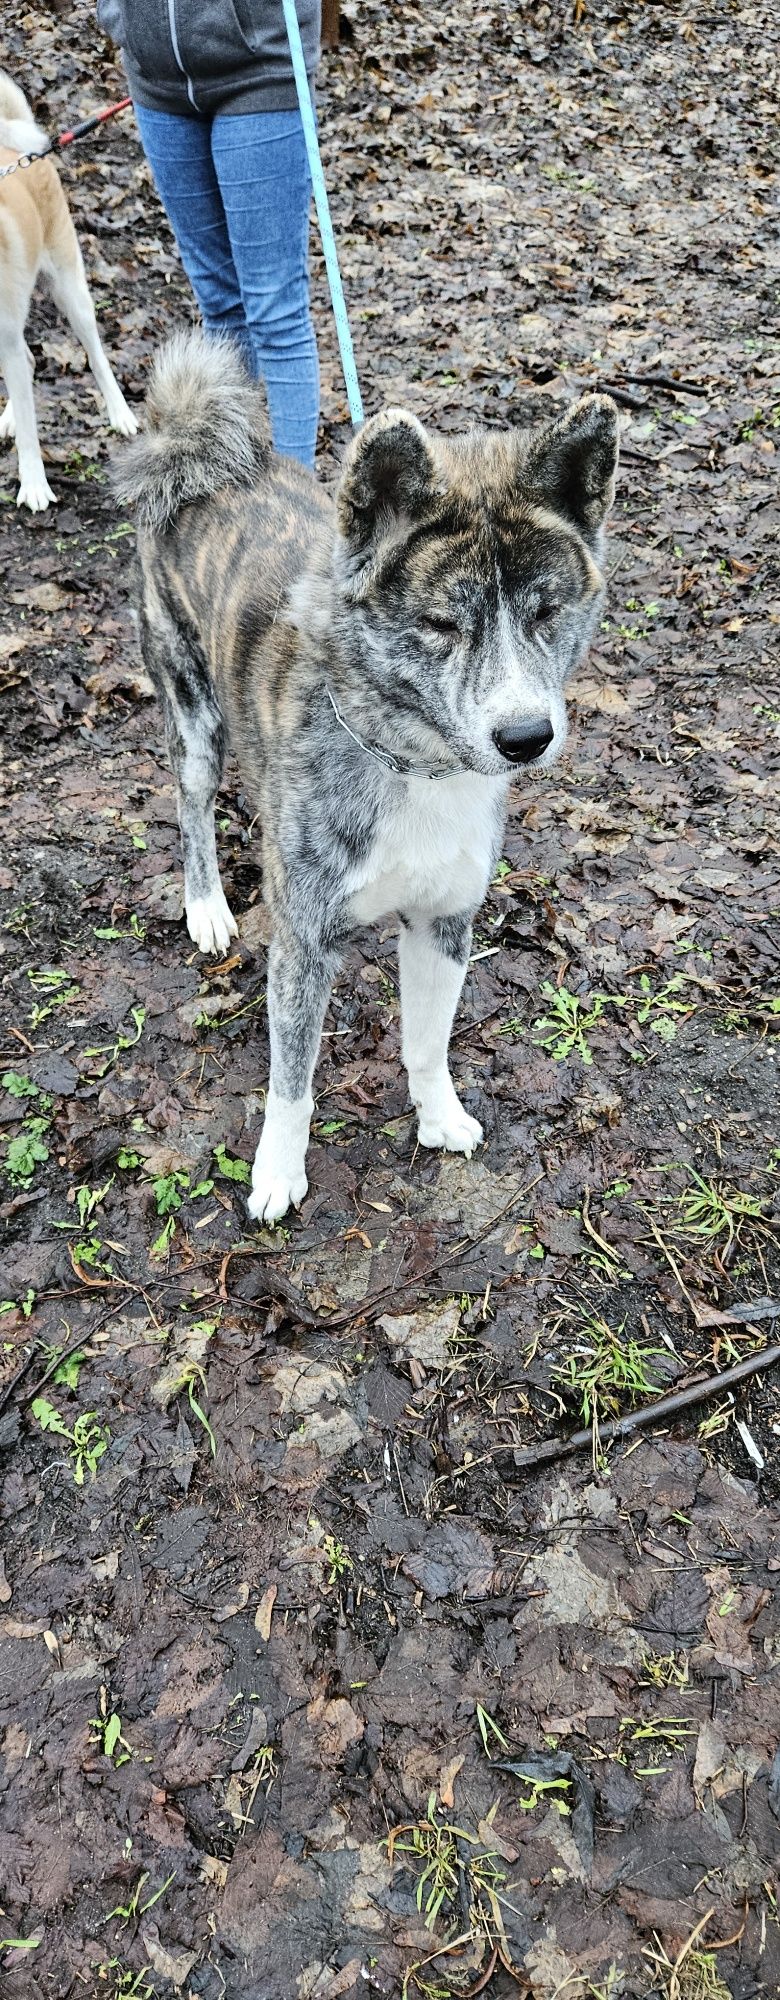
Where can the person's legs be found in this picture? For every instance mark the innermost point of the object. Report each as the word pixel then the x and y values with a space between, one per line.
pixel 260 163
pixel 179 154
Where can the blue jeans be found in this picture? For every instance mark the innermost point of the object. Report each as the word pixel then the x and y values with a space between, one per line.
pixel 236 191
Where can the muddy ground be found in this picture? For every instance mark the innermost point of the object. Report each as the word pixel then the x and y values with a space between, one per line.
pixel 276 1579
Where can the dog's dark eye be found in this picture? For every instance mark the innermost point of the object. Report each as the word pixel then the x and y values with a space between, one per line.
pixel 442 628
pixel 545 612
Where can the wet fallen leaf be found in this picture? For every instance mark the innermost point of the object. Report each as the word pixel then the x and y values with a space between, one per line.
pixel 174 1964
pixel 264 1612
pixel 236 1604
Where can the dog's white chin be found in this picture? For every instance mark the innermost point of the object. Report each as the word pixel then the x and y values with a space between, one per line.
pixel 483 764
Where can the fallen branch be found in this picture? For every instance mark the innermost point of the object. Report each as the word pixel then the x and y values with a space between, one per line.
pixel 680 386
pixel 650 1413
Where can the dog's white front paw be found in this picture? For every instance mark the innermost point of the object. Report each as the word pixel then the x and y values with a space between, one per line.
pixel 121 418
pixel 274 1192
pixel 35 492
pixel 279 1167
pixel 455 1132
pixel 211 923
pixel 7 422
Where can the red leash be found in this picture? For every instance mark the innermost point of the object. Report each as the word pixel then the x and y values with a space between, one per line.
pixel 66 138
pixel 88 124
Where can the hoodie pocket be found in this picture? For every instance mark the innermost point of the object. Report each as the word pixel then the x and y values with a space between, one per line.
pixel 265 32
pixel 214 41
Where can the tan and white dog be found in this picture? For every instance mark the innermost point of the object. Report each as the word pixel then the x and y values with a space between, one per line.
pixel 37 238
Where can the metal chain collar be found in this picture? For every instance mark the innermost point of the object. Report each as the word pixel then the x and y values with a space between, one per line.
pixel 398 765
pixel 24 160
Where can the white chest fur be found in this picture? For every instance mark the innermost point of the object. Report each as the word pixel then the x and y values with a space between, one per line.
pixel 434 848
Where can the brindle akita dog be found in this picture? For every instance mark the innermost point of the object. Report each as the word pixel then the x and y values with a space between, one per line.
pixel 382 666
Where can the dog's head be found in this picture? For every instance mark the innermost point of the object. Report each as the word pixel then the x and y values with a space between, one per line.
pixel 468 579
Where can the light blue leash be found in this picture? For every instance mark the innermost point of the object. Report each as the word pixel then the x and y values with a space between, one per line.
pixel 338 302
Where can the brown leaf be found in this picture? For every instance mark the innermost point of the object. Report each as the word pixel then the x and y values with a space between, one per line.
pixel 447 1779
pixel 237 1604
pixel 174 1965
pixel 335 1725
pixel 733 1610
pixel 264 1612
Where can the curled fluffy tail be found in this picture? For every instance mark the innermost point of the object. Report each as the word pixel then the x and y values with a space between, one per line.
pixel 17 125
pixel 205 428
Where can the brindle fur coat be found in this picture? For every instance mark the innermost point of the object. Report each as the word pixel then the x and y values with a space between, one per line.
pixel 381 663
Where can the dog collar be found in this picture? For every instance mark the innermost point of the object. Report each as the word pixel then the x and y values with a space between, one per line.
pixel 397 765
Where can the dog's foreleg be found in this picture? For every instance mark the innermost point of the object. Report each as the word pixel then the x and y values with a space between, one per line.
pixel 8 420
pixel 300 975
pixel 433 955
pixel 71 292
pixel 19 420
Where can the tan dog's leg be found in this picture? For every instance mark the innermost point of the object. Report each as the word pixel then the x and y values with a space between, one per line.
pixel 7 420
pixel 71 292
pixel 34 489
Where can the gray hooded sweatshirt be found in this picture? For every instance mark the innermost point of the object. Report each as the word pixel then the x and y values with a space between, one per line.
pixel 192 56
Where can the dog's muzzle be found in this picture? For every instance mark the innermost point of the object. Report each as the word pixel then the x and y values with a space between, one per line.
pixel 523 742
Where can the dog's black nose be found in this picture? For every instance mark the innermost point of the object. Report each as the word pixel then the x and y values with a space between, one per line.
pixel 523 742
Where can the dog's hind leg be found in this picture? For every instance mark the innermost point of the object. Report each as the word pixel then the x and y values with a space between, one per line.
pixel 300 975
pixel 433 955
pixel 66 274
pixel 34 489
pixel 195 735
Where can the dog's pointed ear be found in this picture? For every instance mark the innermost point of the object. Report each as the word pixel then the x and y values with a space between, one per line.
pixel 390 478
pixel 573 466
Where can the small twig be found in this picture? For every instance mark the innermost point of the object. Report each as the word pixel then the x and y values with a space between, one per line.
pixel 725 1944
pixel 674 1983
pixel 673 1266
pixel 19 1037
pixel 607 1248
pixel 443 1950
pixel 74 1348
pixel 650 1413
pixel 485 1978
pixel 400 1481
pixel 75 1345
pixel 468 1027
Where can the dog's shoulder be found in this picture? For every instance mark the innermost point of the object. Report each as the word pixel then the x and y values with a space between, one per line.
pixel 34 192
